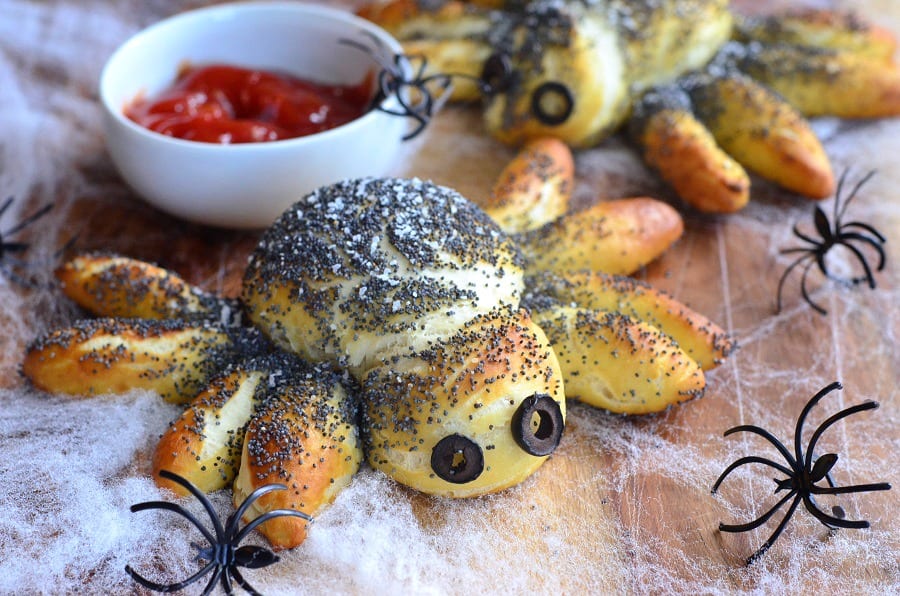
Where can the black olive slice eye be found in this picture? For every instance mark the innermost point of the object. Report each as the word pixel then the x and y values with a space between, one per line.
pixel 457 459
pixel 537 425
pixel 552 103
pixel 496 76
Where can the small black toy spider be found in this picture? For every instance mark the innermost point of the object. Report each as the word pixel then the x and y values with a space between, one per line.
pixel 223 553
pixel 404 78
pixel 803 471
pixel 843 234
pixel 11 263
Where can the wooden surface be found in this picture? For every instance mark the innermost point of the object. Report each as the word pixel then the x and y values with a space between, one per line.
pixel 624 504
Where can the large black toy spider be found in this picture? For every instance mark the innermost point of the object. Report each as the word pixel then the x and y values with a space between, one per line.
pixel 803 471
pixel 223 553
pixel 831 235
pixel 12 265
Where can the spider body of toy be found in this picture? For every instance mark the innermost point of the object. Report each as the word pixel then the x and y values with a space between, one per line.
pixel 804 471
pixel 832 234
pixel 224 555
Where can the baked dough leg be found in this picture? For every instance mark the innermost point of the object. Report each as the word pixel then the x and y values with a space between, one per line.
pixel 701 339
pixel 613 362
pixel 304 435
pixel 109 285
pixel 617 237
pixel 97 356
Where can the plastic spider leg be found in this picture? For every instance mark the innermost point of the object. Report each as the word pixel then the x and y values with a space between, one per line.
pixel 243 583
pixel 806 238
pixel 787 272
pixel 198 494
pixel 769 437
pixel 750 459
pixel 27 221
pixel 219 574
pixel 775 535
pixel 176 508
pixel 830 520
pixel 839 212
pixel 13 247
pixel 804 292
pixel 865 239
pixel 849 281
pixel 6 203
pixel 764 517
pixel 856 488
pixel 801 420
pixel 867 405
pixel 151 585
pixel 865 227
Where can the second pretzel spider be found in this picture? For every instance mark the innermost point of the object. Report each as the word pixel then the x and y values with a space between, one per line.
pixel 831 234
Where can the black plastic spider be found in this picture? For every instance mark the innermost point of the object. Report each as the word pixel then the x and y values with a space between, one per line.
pixel 843 234
pixel 803 471
pixel 404 78
pixel 223 553
pixel 11 264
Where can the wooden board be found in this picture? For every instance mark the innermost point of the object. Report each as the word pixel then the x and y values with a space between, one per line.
pixel 624 505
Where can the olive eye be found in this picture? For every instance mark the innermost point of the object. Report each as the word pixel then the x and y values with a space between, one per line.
pixel 537 425
pixel 457 459
pixel 496 76
pixel 552 103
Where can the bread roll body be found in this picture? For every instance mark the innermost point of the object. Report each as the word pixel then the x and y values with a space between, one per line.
pixel 363 267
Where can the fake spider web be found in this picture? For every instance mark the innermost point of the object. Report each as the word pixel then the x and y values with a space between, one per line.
pixel 624 503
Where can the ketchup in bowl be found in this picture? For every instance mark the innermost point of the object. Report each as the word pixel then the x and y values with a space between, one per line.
pixel 229 104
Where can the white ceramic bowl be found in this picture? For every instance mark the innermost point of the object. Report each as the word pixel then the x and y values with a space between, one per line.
pixel 246 185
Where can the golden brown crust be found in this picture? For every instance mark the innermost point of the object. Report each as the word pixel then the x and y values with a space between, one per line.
pixel 534 188
pixel 467 387
pixel 305 438
pixel 827 29
pixel 617 237
pixel 204 444
pixel 686 156
pixel 827 83
pixel 100 356
pixel 445 35
pixel 701 339
pixel 763 133
pixel 395 14
pixel 114 286
pixel 610 361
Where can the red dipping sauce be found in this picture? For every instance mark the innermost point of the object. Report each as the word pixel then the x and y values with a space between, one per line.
pixel 228 104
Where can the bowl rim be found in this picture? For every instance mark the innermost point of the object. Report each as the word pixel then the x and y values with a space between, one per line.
pixel 342 15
